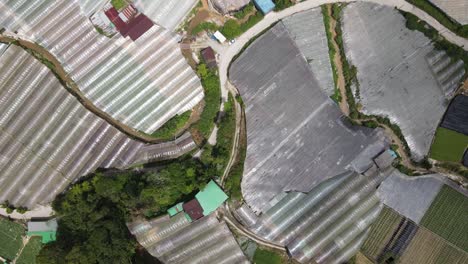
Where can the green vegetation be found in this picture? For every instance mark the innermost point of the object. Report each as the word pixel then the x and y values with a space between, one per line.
pixel 245 11
pixel 11 238
pixel 30 251
pixel 332 53
pixel 447 217
pixel 381 231
pixel 210 82
pixel 448 145
pixel 205 26
pixel 454 167
pixel 282 4
pixel 440 16
pixel 233 29
pixel 264 256
pixel 170 129
pixel 118 4
pixel 218 156
pixel 92 213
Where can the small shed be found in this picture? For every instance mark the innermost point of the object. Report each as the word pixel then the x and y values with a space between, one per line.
pixel 211 197
pixel 209 57
pixel 219 37
pixel 227 6
pixel 175 209
pixel 265 6
pixel 385 159
pixel 193 209
pixel 45 229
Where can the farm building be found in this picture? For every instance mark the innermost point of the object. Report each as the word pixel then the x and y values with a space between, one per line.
pixel 385 159
pixel 211 197
pixel 456 117
pixel 265 6
pixel 209 57
pixel 227 6
pixel 457 9
pixel 166 13
pixel 297 136
pixel 129 22
pixel 141 83
pixel 177 240
pixel 47 230
pixel 411 82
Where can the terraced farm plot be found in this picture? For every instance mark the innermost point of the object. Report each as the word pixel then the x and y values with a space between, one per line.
pixel 448 145
pixel 10 238
pixel 427 247
pixel 30 251
pixel 448 217
pixel 381 232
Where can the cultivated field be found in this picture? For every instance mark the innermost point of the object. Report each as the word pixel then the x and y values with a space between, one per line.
pixel 10 238
pixel 448 145
pixel 427 247
pixel 30 251
pixel 381 232
pixel 448 217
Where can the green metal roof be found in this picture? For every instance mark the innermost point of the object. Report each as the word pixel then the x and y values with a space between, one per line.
pixel 211 197
pixel 175 209
pixel 46 236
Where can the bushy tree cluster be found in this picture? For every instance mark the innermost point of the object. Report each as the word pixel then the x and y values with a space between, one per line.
pixel 92 214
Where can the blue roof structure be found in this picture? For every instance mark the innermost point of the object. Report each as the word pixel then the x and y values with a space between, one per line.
pixel 265 6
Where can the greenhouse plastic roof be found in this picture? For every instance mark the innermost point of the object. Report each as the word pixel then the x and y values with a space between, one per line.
pixel 167 13
pixel 410 197
pixel 211 197
pixel 176 240
pixel 456 117
pixel 297 136
pixel 326 225
pixel 141 83
pixel 400 75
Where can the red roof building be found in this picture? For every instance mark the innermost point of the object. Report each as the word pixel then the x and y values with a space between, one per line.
pixel 135 27
pixel 209 57
pixel 193 209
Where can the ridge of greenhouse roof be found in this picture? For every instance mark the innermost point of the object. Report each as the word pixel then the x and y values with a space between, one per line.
pixel 211 197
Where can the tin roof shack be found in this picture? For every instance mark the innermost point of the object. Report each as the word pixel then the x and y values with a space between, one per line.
pixel 209 57
pixel 211 197
pixel 193 209
pixel 265 6
pixel 227 6
pixel 456 117
pixel 385 159
pixel 45 229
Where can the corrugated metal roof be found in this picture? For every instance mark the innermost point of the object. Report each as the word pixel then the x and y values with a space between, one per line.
pixel 265 6
pixel 175 209
pixel 211 197
pixel 193 209
pixel 226 6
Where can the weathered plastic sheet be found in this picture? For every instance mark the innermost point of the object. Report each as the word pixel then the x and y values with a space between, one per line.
pixel 141 83
pixel 398 74
pixel 297 136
